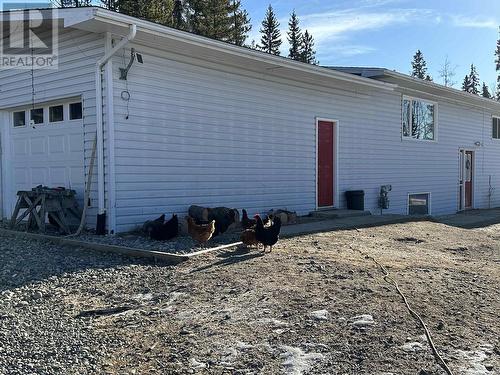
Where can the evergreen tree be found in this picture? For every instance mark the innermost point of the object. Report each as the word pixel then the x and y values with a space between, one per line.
pixel 178 15
pixel 240 23
pixel 419 66
pixel 428 78
pixel 466 85
pixel 271 36
pixel 294 37
pixel 219 19
pixel 486 91
pixel 307 52
pixel 474 81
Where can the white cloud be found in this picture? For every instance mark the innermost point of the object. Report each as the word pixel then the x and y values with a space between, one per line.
pixel 339 24
pixel 475 22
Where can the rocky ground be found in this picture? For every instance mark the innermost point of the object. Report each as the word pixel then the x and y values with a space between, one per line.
pixel 315 305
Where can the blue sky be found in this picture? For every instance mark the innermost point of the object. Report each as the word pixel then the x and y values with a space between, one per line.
pixel 386 33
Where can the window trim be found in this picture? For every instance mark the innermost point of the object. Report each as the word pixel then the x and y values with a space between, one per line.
pixel 420 193
pixel 436 117
pixel 498 118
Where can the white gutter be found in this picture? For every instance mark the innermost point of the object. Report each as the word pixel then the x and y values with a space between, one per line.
pixel 99 123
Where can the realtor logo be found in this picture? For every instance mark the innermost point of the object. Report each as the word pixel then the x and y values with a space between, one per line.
pixel 28 36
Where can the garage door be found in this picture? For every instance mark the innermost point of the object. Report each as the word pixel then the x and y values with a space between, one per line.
pixel 47 147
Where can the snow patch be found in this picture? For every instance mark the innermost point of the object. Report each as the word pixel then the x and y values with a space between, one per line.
pixel 474 360
pixel 297 362
pixel 273 321
pixel 320 315
pixel 362 321
pixel 412 347
pixel 196 364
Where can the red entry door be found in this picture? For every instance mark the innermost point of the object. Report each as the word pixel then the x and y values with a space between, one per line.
pixel 469 178
pixel 326 168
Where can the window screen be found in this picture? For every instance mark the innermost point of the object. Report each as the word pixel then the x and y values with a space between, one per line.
pixel 418 204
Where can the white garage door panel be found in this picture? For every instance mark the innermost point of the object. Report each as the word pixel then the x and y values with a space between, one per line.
pixel 49 155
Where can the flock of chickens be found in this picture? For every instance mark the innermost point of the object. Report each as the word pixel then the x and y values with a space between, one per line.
pixel 256 231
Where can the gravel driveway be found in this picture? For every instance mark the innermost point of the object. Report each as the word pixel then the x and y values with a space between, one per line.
pixel 314 305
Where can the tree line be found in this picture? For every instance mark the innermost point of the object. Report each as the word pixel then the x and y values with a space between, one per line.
pixel 471 82
pixel 224 20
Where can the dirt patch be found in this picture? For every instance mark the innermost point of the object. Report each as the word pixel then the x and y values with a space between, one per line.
pixel 314 305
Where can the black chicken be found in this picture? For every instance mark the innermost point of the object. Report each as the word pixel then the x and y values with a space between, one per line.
pixel 160 230
pixel 246 222
pixel 267 236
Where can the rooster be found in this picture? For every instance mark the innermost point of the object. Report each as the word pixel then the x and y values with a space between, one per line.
pixel 200 233
pixel 267 236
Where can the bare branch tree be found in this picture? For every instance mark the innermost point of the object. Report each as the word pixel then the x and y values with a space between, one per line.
pixel 447 72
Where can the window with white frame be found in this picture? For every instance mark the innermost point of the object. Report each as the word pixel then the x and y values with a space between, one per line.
pixel 419 119
pixel 496 128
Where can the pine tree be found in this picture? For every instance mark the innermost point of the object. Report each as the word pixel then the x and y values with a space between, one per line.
pixel 466 85
pixel 486 91
pixel 178 15
pixel 474 81
pixel 419 66
pixel 271 36
pixel 428 78
pixel 307 52
pixel 294 37
pixel 240 23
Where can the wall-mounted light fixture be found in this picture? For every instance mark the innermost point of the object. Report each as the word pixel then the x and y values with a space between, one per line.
pixel 133 55
pixel 478 144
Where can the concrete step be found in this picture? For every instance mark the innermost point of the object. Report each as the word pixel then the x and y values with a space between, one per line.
pixel 339 214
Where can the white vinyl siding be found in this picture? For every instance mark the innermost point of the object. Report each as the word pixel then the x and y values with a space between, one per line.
pixel 216 135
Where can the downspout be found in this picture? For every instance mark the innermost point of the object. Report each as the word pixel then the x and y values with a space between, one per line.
pixel 99 114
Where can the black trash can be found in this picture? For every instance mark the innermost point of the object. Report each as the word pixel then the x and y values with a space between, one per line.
pixel 355 200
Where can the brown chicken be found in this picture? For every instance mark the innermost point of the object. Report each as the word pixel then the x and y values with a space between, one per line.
pixel 249 239
pixel 201 233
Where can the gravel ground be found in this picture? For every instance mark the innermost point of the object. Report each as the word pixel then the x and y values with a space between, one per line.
pixel 325 310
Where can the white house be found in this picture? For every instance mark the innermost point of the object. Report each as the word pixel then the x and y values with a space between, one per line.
pixel 209 123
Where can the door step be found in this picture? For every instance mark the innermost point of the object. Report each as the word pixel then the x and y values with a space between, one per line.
pixel 339 214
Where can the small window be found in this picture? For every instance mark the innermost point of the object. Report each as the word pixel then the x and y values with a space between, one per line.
pixel 496 127
pixel 418 204
pixel 418 119
pixel 36 115
pixel 56 114
pixel 19 119
pixel 75 111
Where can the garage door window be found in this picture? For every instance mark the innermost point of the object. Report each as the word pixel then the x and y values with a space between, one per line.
pixel 56 114
pixel 75 111
pixel 37 116
pixel 19 119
